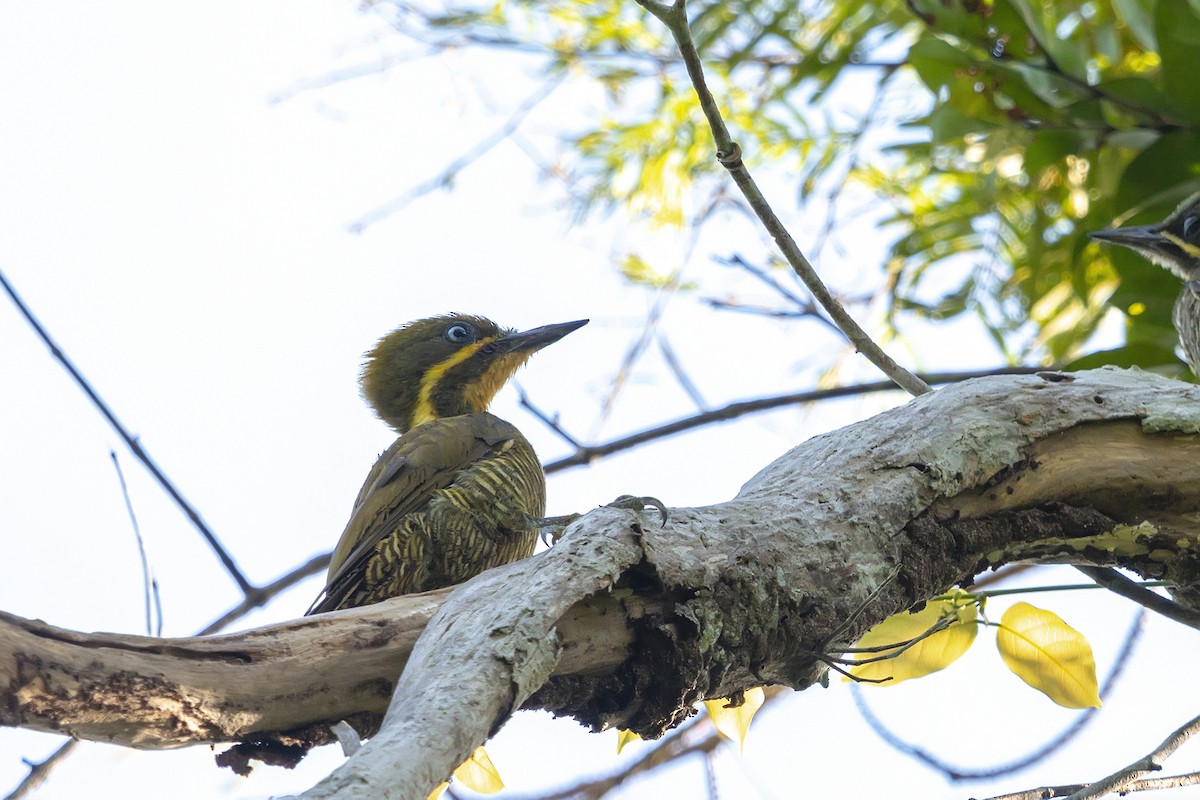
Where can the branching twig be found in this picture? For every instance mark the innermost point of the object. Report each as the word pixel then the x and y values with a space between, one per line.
pixel 456 166
pixel 941 625
pixel 40 771
pixel 1125 780
pixel 152 599
pixel 669 749
pixel 130 441
pixel 674 16
pixel 954 773
pixel 678 744
pixel 1152 762
pixel 1067 790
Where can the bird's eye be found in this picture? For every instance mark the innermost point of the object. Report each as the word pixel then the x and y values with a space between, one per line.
pixel 1191 228
pixel 458 333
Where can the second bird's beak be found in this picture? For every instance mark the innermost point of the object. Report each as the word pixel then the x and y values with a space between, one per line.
pixel 537 338
pixel 1137 236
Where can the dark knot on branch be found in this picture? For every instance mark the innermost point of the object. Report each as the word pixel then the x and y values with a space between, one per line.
pixel 732 158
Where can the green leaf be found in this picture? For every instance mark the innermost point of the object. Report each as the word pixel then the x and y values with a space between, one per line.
pixel 1136 16
pixel 1173 159
pixel 1049 655
pixel 1049 148
pixel 733 722
pixel 1177 26
pixel 931 654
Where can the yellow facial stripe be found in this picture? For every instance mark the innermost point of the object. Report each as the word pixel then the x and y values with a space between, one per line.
pixel 1187 247
pixel 424 410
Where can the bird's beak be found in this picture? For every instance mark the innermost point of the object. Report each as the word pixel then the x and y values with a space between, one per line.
pixel 1138 237
pixel 537 338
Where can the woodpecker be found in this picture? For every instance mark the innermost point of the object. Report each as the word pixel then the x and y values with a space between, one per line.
pixel 461 490
pixel 1174 244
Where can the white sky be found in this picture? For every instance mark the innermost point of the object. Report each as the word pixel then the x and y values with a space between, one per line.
pixel 185 240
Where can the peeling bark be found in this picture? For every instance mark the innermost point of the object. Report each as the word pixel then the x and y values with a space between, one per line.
pixel 625 623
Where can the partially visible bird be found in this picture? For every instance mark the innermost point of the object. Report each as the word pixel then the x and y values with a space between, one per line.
pixel 461 490
pixel 1174 243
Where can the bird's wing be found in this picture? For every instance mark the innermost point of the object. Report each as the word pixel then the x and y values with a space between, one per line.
pixel 403 480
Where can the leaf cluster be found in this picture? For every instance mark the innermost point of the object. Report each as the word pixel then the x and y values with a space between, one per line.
pixel 1023 125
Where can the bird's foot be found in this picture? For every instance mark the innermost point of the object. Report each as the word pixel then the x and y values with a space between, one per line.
pixel 631 503
pixel 1194 288
pixel 551 528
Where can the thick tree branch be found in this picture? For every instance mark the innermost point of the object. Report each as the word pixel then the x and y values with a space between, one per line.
pixel 1130 590
pixel 154 693
pixel 1100 467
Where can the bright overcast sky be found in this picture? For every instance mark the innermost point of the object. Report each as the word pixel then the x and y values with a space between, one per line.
pixel 183 233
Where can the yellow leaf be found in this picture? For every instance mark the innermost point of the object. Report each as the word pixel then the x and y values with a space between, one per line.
pixel 436 793
pixel 933 653
pixel 1049 655
pixel 732 723
pixel 478 773
pixel 624 737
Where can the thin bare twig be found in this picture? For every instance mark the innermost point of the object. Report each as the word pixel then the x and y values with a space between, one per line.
pixel 1152 762
pixel 856 139
pixel 1168 782
pixel 550 422
pixel 766 278
pixel 40 771
pixel 729 153
pixel 1066 790
pixel 260 596
pixel 1126 779
pixel 940 625
pixel 710 777
pixel 664 295
pixel 130 441
pixel 888 651
pixel 1116 582
pixel 670 748
pixel 152 598
pixel 447 174
pixel 591 453
pixel 804 308
pixel 762 311
pixel 681 376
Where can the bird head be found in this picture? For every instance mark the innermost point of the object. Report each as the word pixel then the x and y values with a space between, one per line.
pixel 1174 243
pixel 446 366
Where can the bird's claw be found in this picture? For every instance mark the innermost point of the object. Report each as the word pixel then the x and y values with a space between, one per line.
pixel 551 528
pixel 631 503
